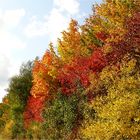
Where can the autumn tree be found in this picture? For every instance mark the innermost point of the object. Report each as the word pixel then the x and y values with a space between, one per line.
pixel 16 99
pixel 87 90
pixel 117 112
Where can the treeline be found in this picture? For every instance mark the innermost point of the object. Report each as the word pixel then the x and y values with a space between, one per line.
pixel 89 89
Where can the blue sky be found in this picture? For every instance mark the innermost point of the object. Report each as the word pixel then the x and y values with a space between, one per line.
pixel 27 27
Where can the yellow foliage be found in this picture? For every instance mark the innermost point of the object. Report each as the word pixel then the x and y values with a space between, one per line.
pixel 117 114
pixel 112 16
pixel 44 73
pixel 69 46
pixel 6 133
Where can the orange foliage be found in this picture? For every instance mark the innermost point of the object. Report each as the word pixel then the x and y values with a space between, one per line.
pixel 40 85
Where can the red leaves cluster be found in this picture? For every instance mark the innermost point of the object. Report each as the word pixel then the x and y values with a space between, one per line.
pixel 97 61
pixel 71 74
pixel 33 110
pixel 102 36
pixel 78 71
pixel 133 35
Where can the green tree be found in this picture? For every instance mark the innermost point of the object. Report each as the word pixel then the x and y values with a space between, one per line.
pixel 18 92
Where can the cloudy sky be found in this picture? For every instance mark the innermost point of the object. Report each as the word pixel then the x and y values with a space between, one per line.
pixel 27 27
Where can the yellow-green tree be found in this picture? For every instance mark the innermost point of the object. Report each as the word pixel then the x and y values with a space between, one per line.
pixel 117 113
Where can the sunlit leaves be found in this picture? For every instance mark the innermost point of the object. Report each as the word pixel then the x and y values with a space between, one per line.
pixel 69 46
pixel 90 89
pixel 117 113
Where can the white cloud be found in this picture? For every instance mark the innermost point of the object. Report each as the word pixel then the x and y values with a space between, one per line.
pixel 4 71
pixel 70 6
pixel 3 91
pixel 11 18
pixel 53 23
pixel 8 68
pixel 9 42
pixel 35 27
pixel 4 74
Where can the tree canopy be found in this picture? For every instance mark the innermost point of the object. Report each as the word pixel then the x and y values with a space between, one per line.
pixel 89 89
